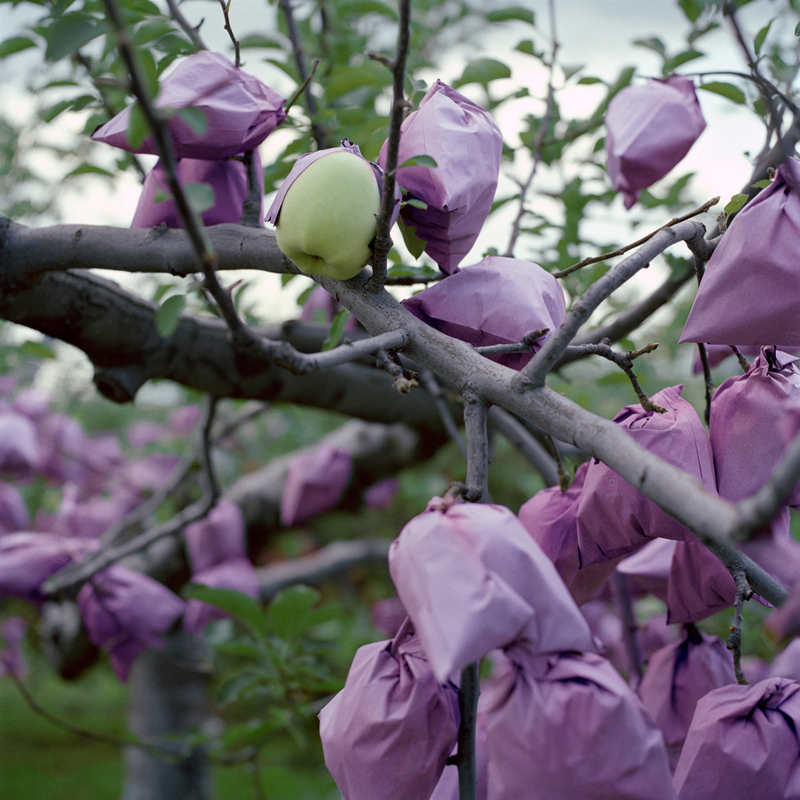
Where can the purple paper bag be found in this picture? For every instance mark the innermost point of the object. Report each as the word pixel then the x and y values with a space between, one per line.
pixel 677 676
pixel 751 282
pixel 315 483
pixel 238 110
pixel 218 556
pixel 647 570
pixel 564 727
pixel 743 744
pixel 473 580
pixel 217 538
pixel 786 663
pixel 699 585
pixel 125 612
pixel 784 621
pixel 754 418
pixel 27 560
pixel 466 144
pixel 614 518
pixel 496 301
pixel 550 517
pixel 393 723
pixel 650 129
pixel 227 179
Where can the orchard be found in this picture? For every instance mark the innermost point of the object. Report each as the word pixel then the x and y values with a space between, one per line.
pixel 393 409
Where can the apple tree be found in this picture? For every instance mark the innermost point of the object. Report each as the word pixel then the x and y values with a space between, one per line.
pixel 475 250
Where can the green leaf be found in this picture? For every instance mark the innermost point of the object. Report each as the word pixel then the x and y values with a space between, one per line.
pixel 138 129
pixel 33 349
pixel 571 69
pixel 200 196
pixel 70 32
pixel 758 42
pixel 671 64
pixel 239 647
pixel 589 81
pixel 692 9
pixel 347 79
pixel 233 602
pixel 194 118
pixel 512 13
pixel 735 203
pixel 51 113
pixel 483 71
pixel 797 29
pixel 291 612
pixel 235 687
pixel 419 161
pixel 89 169
pixel 361 7
pixel 258 40
pixel 415 203
pixel 414 244
pixel 14 45
pixel 149 72
pixel 726 90
pixel 337 329
pixel 528 47
pixel 653 43
pixel 762 184
pixel 169 313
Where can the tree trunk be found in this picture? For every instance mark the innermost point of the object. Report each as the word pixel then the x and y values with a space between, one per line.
pixel 168 699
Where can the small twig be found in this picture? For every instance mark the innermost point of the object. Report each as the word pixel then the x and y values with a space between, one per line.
pixel 465 758
pixel 625 362
pixel 564 478
pixel 158 128
pixel 251 208
pixel 226 7
pixel 432 386
pixel 317 131
pixel 476 411
pixel 707 379
pixel 622 250
pixel 107 107
pixel 382 243
pixel 536 370
pixel 412 280
pixel 743 592
pixel 193 32
pixel 521 438
pixel 404 380
pixel 523 346
pixel 743 362
pixel 77 574
pixel 210 478
pixel 115 741
pixel 538 144
pixel 623 603
pixel 757 510
pixel 303 86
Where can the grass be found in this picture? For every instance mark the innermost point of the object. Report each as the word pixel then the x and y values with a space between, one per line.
pixel 39 761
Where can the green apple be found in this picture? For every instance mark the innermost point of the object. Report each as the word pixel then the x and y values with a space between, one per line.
pixel 328 216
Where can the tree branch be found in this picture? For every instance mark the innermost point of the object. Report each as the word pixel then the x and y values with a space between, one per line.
pixel 534 373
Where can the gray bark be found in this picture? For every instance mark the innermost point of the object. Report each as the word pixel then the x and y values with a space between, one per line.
pixel 169 699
